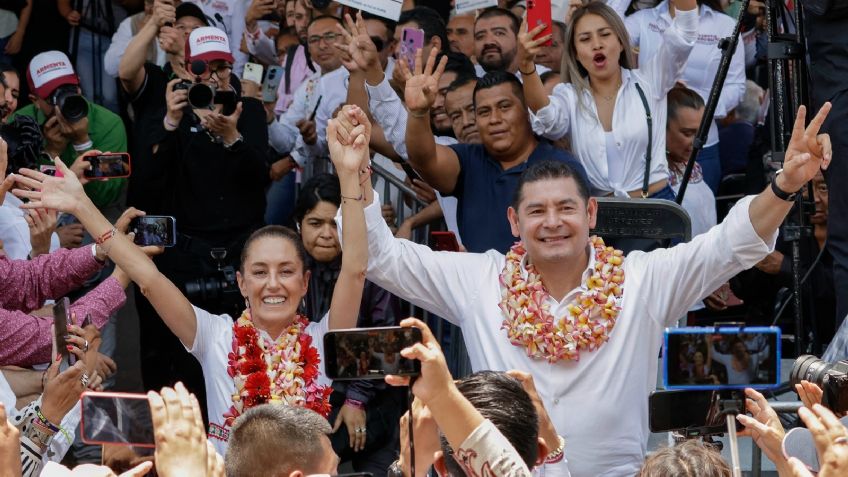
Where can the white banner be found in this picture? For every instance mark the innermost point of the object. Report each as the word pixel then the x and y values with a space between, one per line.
pixel 463 6
pixel 385 8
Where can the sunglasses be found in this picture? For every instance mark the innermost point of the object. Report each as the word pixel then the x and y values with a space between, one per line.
pixel 378 43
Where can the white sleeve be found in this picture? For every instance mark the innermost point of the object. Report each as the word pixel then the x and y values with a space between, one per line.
pixel 390 113
pixel 444 283
pixel 238 26
pixel 15 235
pixel 487 452
pixel 261 46
pixel 683 274
pixel 120 40
pixel 554 120
pixel 620 6
pixel 734 85
pixel 664 68
pixel 284 136
pixel 721 357
pixel 209 328
pixel 633 24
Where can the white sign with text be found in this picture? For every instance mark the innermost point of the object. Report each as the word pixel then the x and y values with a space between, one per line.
pixel 463 6
pixel 385 8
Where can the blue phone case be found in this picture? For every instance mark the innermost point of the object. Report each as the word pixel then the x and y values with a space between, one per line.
pixel 774 355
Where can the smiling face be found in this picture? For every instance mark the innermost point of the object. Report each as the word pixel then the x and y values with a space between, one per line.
pixel 553 221
pixel 597 46
pixel 495 44
pixel 273 281
pixel 502 120
pixel 319 232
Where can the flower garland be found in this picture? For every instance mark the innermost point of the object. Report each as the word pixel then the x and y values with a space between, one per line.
pixel 284 371
pixel 590 316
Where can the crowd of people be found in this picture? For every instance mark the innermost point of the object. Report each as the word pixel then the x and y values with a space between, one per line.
pixel 279 141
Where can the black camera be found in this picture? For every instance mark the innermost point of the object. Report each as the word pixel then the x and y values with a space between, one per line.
pixel 832 378
pixel 24 143
pixel 204 96
pixel 218 290
pixel 71 104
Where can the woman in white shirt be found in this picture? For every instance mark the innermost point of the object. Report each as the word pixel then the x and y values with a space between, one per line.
pixel 271 353
pixel 613 114
pixel 647 28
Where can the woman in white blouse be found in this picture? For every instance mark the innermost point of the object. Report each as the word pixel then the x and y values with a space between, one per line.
pixel 646 29
pixel 614 115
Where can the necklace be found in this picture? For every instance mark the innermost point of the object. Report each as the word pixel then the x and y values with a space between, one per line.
pixel 610 97
pixel 283 371
pixel 590 316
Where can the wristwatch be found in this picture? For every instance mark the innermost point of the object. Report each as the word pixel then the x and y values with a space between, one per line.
pixel 235 144
pixel 780 193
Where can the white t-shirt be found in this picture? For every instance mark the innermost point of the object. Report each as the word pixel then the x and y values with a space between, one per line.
pixel 212 343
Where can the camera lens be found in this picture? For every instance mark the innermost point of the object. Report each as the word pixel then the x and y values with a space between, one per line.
pixel 809 368
pixel 200 96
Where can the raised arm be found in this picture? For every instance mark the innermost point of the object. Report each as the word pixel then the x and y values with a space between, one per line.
pixel 665 68
pixel 131 67
pixel 66 194
pixel 528 47
pixel 438 165
pixel 350 157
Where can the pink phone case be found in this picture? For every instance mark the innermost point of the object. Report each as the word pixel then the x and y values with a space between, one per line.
pixel 411 41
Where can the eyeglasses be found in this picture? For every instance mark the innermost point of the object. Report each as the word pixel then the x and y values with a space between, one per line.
pixel 329 38
pixel 378 43
pixel 202 67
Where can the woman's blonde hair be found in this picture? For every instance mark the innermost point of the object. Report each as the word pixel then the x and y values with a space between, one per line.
pixel 572 71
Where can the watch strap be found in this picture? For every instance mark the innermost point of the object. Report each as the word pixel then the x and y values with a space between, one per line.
pixel 780 193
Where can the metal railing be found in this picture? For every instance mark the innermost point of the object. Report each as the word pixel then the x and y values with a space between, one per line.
pixel 408 204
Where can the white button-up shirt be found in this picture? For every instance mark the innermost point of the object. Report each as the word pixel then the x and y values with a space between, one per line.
pixel 599 403
pixel 646 28
pixel 578 117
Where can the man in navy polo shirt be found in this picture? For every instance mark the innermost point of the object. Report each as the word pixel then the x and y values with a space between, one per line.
pixel 483 177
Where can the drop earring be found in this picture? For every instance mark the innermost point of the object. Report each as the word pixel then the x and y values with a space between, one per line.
pixel 246 304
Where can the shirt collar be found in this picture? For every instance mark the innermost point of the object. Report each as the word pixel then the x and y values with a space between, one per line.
pixel 662 10
pixel 586 273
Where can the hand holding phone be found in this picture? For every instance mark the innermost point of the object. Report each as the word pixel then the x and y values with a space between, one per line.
pixel 370 353
pixel 252 72
pixel 61 319
pixel 412 40
pixel 539 13
pixel 273 77
pixel 155 230
pixel 110 165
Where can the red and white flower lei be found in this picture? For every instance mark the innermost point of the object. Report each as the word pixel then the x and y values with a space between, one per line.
pixel 284 371
pixel 590 316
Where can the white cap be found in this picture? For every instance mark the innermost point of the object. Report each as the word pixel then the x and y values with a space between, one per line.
pixel 49 70
pixel 208 44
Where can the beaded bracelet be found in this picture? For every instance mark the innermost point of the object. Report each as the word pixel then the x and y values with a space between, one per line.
pixel 558 453
pixel 44 423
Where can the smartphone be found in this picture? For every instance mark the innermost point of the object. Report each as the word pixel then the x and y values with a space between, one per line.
pixel 539 12
pixel 721 358
pixel 370 353
pixel 61 319
pixel 411 41
pixel 697 412
pixel 228 98
pixel 158 230
pixel 445 241
pixel 86 321
pixel 273 77
pixel 116 418
pixel 108 166
pixel 252 72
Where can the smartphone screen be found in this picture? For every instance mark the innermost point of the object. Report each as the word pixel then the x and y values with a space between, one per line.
pixel 445 241
pixel 721 358
pixel 61 319
pixel 370 353
pixel 411 41
pixel 108 166
pixel 158 230
pixel 273 77
pixel 116 418
pixel 678 410
pixel 539 12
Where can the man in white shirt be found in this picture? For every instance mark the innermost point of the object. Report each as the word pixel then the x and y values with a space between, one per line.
pixel 496 42
pixel 603 315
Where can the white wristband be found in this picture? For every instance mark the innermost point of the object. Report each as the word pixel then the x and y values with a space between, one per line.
pixel 84 146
